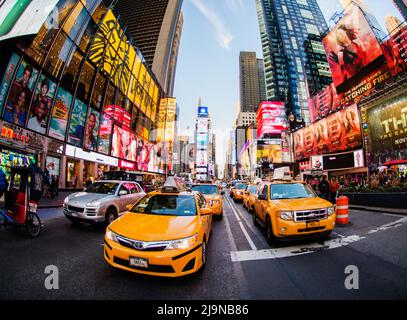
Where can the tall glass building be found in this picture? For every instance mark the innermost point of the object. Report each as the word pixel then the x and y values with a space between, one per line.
pixel 76 96
pixel 285 26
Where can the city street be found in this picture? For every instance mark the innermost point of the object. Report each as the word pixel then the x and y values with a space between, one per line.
pixel 241 265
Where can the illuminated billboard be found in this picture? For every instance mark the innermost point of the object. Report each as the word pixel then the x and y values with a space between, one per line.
pixel 338 132
pixel 324 103
pixel 203 112
pixel 387 130
pixel 23 17
pixel 203 124
pixel 269 150
pixel 271 118
pixel 350 46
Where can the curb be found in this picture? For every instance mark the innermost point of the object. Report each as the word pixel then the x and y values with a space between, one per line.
pixel 381 210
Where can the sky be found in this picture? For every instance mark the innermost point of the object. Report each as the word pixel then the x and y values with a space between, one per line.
pixel 214 33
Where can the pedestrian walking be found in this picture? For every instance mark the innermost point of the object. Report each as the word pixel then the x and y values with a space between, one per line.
pixel 323 187
pixel 333 189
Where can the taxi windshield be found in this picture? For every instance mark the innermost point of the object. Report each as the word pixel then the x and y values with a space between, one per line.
pixel 252 189
pixel 291 191
pixel 166 205
pixel 206 189
pixel 241 186
pixel 102 187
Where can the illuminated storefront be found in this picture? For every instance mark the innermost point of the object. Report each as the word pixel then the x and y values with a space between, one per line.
pixel 78 82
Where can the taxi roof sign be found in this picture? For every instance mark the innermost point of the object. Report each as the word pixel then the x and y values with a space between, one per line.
pixel 173 184
pixel 282 173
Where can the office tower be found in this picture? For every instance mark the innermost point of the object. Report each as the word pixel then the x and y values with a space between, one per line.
pixel 284 27
pixel 156 28
pixel 393 25
pixel 317 67
pixel 249 82
pixel 262 79
pixel 402 6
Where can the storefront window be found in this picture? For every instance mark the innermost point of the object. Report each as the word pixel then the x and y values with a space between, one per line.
pixel 59 55
pixel 52 164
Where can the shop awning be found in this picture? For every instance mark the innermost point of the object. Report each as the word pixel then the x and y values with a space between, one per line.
pixel 395 162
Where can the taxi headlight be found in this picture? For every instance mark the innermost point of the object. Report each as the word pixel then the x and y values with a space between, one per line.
pixel 184 243
pixel 111 235
pixel 286 215
pixel 331 210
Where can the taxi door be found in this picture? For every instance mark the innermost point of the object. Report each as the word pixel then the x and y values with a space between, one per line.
pixel 206 219
pixel 262 205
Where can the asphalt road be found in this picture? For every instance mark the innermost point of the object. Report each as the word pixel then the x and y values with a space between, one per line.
pixel 241 265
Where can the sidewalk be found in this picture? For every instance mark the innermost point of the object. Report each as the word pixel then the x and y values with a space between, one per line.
pixel 48 203
pixel 376 209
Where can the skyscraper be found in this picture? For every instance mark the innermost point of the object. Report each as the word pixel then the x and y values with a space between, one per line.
pixel 393 25
pixel 402 6
pixel 249 81
pixel 262 79
pixel 156 27
pixel 284 27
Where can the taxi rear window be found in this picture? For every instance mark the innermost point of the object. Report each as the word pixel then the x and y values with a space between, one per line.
pixel 168 205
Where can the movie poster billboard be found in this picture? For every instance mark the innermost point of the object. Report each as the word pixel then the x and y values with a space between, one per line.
pixel 324 103
pixel 124 144
pixel 41 105
pixel 77 124
pixel 90 137
pixel 23 17
pixel 340 131
pixel 395 51
pixel 8 75
pixel 387 131
pixel 20 94
pixel 59 116
pixel 105 133
pixel 350 46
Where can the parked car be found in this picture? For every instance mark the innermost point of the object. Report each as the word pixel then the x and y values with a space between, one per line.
pixel 102 202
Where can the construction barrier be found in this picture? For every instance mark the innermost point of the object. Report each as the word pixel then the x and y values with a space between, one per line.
pixel 342 210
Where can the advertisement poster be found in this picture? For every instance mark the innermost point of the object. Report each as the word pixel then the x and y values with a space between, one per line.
pixel 143 155
pixel 23 17
pixel 77 125
pixel 105 133
pixel 124 144
pixel 20 94
pixel 350 46
pixel 59 117
pixel 203 125
pixel 324 103
pixel 202 158
pixel 338 132
pixel 90 137
pixel 8 74
pixel 269 152
pixel 387 127
pixel 41 105
pixel 395 51
pixel 155 162
pixel 271 118
pixel 202 141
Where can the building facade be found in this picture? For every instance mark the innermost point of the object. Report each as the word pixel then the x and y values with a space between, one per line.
pixel 284 27
pixel 157 26
pixel 249 77
pixel 402 7
pixel 78 98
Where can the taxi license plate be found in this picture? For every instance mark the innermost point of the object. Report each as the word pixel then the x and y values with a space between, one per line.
pixel 138 262
pixel 312 224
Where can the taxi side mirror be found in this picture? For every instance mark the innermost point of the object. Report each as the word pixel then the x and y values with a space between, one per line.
pixel 262 197
pixel 206 211
pixel 129 206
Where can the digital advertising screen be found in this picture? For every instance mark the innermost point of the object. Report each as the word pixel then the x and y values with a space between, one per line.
pixel 124 144
pixel 340 131
pixel 203 111
pixel 202 141
pixel 324 103
pixel 203 124
pixel 269 151
pixel 350 46
pixel 59 116
pixel 90 137
pixel 23 17
pixel 105 133
pixel 271 118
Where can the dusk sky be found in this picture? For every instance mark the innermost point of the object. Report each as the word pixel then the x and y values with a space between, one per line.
pixel 214 33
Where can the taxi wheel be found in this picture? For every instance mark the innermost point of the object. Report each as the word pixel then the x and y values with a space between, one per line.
pixel 269 232
pixel 255 222
pixel 220 217
pixel 110 216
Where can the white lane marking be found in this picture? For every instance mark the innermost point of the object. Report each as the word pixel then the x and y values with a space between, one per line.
pixel 249 240
pixel 278 253
pixel 394 215
pixel 391 225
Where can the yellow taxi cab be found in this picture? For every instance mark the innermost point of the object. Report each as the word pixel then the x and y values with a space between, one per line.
pixel 238 191
pixel 164 234
pixel 290 209
pixel 213 196
pixel 249 197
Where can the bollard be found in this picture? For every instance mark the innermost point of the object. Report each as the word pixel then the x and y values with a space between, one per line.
pixel 342 210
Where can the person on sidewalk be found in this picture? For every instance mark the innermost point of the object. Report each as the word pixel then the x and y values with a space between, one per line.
pixel 333 189
pixel 323 188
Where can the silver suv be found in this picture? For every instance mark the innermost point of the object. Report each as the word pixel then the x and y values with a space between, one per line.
pixel 102 201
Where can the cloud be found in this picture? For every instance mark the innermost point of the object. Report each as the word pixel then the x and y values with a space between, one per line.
pixel 234 5
pixel 224 36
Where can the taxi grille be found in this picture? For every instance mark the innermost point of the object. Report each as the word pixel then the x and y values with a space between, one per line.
pixel 310 215
pixel 135 245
